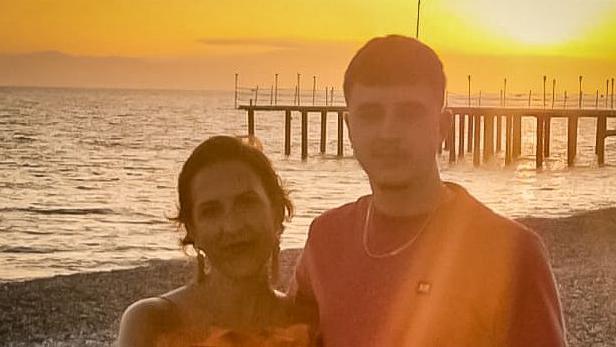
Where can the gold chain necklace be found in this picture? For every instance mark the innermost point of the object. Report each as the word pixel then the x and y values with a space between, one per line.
pixel 401 248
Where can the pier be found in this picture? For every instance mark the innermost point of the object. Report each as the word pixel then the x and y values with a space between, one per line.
pixel 479 127
pixel 478 130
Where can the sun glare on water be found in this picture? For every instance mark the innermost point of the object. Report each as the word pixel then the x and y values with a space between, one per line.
pixel 538 22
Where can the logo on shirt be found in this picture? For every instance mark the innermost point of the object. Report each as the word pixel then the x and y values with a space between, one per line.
pixel 423 287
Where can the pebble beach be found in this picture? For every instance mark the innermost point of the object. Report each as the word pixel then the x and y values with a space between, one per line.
pixel 85 309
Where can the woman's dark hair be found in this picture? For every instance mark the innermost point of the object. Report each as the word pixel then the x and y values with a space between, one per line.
pixel 218 149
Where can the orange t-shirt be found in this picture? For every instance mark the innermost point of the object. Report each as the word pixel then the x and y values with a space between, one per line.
pixel 297 335
pixel 472 278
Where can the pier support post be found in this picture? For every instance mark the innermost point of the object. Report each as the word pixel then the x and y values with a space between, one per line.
pixel 572 125
pixel 304 135
pixel 539 143
pixel 508 139
pixel 477 141
pixel 547 125
pixel 287 132
pixel 251 122
pixel 323 131
pixel 597 130
pixel 471 122
pixel 488 137
pixel 517 136
pixel 499 133
pixel 601 134
pixel 340 134
pixel 461 121
pixel 452 140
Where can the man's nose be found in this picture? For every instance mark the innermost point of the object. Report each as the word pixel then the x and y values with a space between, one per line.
pixel 390 127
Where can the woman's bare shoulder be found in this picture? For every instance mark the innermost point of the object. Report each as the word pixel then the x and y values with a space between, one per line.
pixel 147 318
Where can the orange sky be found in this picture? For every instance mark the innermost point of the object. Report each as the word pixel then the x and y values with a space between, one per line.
pixel 200 44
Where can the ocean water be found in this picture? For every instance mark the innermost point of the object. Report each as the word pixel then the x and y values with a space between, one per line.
pixel 88 177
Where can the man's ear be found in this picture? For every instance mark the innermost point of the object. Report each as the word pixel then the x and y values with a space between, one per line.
pixel 345 115
pixel 444 124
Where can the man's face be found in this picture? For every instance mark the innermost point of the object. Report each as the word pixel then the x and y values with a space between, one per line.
pixel 394 131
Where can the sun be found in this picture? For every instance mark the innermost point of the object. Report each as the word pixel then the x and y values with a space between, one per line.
pixel 536 22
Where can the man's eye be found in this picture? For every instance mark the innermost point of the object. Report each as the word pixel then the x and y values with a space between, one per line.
pixel 369 115
pixel 410 110
pixel 413 114
pixel 209 211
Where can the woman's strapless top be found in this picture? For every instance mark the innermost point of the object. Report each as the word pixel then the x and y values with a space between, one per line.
pixel 297 335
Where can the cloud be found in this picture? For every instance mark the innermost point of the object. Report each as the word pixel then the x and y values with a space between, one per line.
pixel 326 61
pixel 212 71
pixel 265 43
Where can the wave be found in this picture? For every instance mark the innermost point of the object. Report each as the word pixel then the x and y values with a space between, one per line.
pixel 102 143
pixel 26 249
pixel 90 178
pixel 86 188
pixel 135 222
pixel 60 211
pixel 141 168
pixel 24 138
pixel 35 232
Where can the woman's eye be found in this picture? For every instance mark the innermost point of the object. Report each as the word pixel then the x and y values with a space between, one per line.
pixel 247 201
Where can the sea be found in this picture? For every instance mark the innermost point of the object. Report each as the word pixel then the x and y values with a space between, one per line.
pixel 88 176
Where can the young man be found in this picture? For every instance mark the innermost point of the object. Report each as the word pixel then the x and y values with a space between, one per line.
pixel 419 262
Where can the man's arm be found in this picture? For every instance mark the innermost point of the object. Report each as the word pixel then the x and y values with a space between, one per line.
pixel 300 289
pixel 536 317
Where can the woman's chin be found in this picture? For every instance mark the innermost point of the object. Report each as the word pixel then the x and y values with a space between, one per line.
pixel 242 269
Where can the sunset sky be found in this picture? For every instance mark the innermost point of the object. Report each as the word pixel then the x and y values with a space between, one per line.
pixel 200 44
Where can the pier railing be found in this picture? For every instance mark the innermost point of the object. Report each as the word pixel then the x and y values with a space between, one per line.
pixel 273 95
pixel 333 97
pixel 473 113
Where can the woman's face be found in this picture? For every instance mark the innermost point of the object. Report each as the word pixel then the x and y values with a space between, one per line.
pixel 232 219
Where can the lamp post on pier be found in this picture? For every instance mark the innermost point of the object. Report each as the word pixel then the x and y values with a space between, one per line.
pixel 417 27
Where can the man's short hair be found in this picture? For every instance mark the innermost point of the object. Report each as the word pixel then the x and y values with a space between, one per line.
pixel 395 60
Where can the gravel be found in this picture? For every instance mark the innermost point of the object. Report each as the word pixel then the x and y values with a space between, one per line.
pixel 85 309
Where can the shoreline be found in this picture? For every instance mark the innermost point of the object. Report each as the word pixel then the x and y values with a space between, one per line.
pixel 179 258
pixel 85 308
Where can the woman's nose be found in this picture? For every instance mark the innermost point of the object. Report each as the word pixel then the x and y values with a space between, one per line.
pixel 232 222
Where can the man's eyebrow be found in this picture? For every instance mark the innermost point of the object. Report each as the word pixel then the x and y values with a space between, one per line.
pixel 410 104
pixel 369 105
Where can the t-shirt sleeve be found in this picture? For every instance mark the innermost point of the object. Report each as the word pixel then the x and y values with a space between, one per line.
pixel 536 317
pixel 301 294
pixel 300 287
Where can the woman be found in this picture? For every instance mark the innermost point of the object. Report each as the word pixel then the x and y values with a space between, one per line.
pixel 231 206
